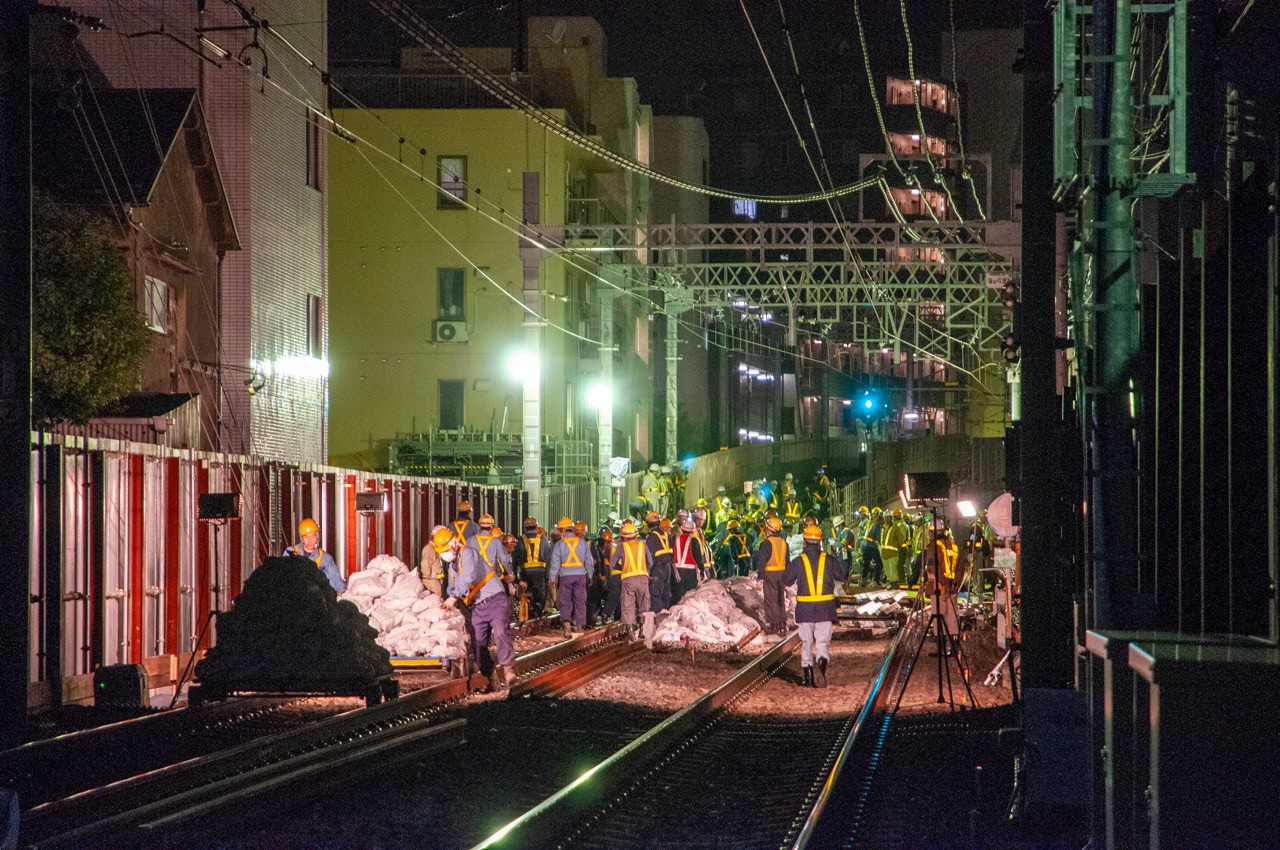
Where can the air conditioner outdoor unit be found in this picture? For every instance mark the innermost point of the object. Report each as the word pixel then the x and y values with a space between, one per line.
pixel 449 331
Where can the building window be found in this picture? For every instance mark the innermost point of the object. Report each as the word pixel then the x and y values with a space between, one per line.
pixel 452 179
pixel 155 307
pixel 451 405
pixel 313 150
pixel 744 207
pixel 452 294
pixel 315 327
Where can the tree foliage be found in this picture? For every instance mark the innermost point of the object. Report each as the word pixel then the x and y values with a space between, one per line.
pixel 88 339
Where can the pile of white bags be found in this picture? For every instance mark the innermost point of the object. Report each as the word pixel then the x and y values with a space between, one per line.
pixel 716 612
pixel 410 620
pixel 878 602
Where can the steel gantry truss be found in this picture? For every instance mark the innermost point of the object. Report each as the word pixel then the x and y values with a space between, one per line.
pixel 933 288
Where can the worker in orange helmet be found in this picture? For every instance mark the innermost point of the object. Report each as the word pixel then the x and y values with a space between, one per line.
pixel 770 562
pixel 309 548
pixel 569 569
pixel 529 560
pixel 815 574
pixel 482 585
pixel 464 526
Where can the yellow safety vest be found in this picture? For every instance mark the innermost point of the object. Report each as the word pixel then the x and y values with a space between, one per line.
pixel 793 510
pixel 298 551
pixel 778 559
pixel 633 559
pixel 573 559
pixel 532 548
pixel 460 526
pixel 815 585
pixel 743 554
pixel 666 544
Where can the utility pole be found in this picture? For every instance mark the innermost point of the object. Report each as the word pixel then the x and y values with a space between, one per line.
pixel 531 384
pixel 672 406
pixel 15 366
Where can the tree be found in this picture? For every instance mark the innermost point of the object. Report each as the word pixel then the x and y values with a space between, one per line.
pixel 88 338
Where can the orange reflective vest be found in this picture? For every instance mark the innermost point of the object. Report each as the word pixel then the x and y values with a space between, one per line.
pixel 778 557
pixel 633 563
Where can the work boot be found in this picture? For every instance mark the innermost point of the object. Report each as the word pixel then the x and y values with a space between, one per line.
pixel 509 675
pixel 820 674
pixel 808 677
pixel 568 631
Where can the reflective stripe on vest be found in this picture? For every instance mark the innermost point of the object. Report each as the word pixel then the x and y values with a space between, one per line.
pixel 793 510
pixel 778 558
pixel 815 586
pixel 683 557
pixel 666 544
pixel 532 548
pixel 459 527
pixel 743 554
pixel 298 550
pixel 573 559
pixel 483 541
pixel 633 559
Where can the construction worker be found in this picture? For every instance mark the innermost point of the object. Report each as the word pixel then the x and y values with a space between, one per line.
pixel 463 525
pixel 689 557
pixel 431 566
pixel 980 547
pixel 570 566
pixel 309 548
pixel 821 493
pixel 841 542
pixel 479 586
pixel 872 564
pixel 770 562
pixel 724 508
pixel 631 561
pixel 815 574
pixel 651 489
pixel 707 526
pixel 700 520
pixel 529 560
pixel 918 540
pixel 943 576
pixel 661 569
pixel 737 555
pixel 666 490
pixel 892 539
pixel 608 583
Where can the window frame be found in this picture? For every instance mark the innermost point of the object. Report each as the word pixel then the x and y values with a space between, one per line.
pixel 460 280
pixel 315 326
pixel 461 387
pixel 452 194
pixel 151 286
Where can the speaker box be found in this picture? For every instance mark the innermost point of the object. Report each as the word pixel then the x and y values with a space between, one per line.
pixel 928 486
pixel 373 502
pixel 219 506
pixel 121 686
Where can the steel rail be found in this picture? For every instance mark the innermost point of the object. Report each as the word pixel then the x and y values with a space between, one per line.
pixel 551 816
pixel 563 678
pixel 873 699
pixel 234 775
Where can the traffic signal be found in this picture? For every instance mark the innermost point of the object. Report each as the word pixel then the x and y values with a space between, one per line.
pixel 871 407
pixel 1010 348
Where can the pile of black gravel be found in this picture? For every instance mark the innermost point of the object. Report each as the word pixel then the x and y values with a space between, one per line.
pixel 288 631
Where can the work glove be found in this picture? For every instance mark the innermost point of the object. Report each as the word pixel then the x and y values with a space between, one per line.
pixel 450 603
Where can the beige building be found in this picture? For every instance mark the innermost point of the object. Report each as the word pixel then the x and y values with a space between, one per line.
pixel 430 335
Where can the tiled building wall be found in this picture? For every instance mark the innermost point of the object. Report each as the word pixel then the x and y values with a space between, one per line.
pixel 260 141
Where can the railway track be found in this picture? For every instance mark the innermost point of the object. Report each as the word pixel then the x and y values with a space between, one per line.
pixel 145 804
pixel 709 774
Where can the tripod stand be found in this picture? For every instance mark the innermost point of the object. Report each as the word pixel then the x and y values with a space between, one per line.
pixel 946 641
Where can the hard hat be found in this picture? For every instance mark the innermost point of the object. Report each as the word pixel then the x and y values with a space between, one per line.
pixel 653 467
pixel 897 512
pixel 565 524
pixel 308 526
pixel 822 470
pixel 862 509
pixel 687 523
pixel 811 521
pixel 530 524
pixel 770 512
pixel 508 540
pixel 485 521
pixel 664 525
pixel 876 511
pixel 580 528
pixel 613 516
pixel 733 525
pixel 837 521
pixel 682 513
pixel 666 470
pixel 772 524
pixel 464 505
pixel 498 532
pixel 606 534
pixel 700 514
pixel 787 477
pixel 812 534
pixel 725 502
pixel 702 503
pixel 442 539
pixel 629 529
pixel 652 518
